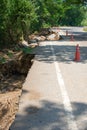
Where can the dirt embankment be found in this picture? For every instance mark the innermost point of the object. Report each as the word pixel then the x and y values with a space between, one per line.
pixel 14 66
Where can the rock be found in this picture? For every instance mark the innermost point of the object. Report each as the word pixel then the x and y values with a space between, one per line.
pixel 23 43
pixel 41 38
pixel 36 38
pixel 44 31
pixel 54 36
pixel 33 45
pixel 32 37
pixel 33 40
pixel 44 34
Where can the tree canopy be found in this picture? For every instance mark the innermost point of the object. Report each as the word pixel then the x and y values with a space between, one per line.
pixel 19 18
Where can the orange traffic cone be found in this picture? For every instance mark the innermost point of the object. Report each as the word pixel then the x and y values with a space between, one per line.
pixel 72 37
pixel 77 53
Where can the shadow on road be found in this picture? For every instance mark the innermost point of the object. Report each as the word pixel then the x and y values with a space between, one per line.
pixel 76 37
pixel 49 116
pixel 78 33
pixel 64 53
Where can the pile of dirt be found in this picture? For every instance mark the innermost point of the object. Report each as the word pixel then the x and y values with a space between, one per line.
pixel 14 66
pixel 45 34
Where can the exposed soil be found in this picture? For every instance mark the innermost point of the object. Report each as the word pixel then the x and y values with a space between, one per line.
pixel 14 65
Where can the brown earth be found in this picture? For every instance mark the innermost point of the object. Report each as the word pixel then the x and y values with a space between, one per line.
pixel 14 65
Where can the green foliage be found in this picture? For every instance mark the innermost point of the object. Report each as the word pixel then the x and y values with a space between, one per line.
pixel 76 2
pixel 49 12
pixel 10 54
pixel 26 50
pixel 22 16
pixel 2 60
pixel 73 16
pixel 59 12
pixel 16 18
pixel 84 21
pixel 19 18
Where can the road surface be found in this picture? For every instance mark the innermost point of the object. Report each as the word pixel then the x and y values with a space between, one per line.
pixel 55 91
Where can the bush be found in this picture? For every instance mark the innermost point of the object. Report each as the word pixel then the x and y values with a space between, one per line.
pixel 16 19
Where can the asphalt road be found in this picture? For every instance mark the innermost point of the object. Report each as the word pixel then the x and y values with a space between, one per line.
pixel 55 91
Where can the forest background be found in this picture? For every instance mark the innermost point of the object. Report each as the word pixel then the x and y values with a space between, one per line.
pixel 20 18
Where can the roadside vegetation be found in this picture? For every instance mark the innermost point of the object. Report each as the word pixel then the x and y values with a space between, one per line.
pixel 19 18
